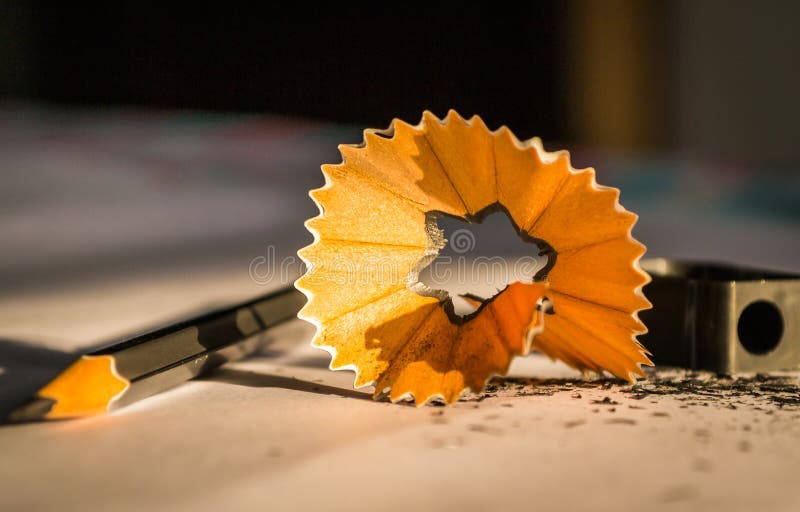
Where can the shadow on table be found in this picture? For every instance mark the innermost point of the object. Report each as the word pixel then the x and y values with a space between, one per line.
pixel 321 360
pixel 24 369
pixel 264 380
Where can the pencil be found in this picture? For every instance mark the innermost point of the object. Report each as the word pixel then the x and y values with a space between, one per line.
pixel 127 371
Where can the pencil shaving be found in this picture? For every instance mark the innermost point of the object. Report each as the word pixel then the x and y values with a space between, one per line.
pixel 373 237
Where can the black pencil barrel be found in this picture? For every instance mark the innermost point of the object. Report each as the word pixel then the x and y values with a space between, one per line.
pixel 160 359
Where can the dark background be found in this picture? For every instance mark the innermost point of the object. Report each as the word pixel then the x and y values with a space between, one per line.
pixel 713 78
pixel 717 79
pixel 346 67
pixel 349 66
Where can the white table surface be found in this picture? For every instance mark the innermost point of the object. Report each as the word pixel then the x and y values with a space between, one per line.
pixel 95 246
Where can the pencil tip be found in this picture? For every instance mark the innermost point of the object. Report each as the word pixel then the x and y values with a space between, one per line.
pixel 34 410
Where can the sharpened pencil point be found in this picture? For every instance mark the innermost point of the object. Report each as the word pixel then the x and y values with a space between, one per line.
pixel 138 367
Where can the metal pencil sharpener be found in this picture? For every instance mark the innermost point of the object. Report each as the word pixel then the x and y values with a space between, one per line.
pixel 722 318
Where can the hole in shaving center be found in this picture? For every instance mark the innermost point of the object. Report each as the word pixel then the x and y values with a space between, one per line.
pixel 479 260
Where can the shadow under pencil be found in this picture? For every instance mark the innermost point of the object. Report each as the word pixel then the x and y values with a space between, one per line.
pixel 25 368
pixel 264 380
